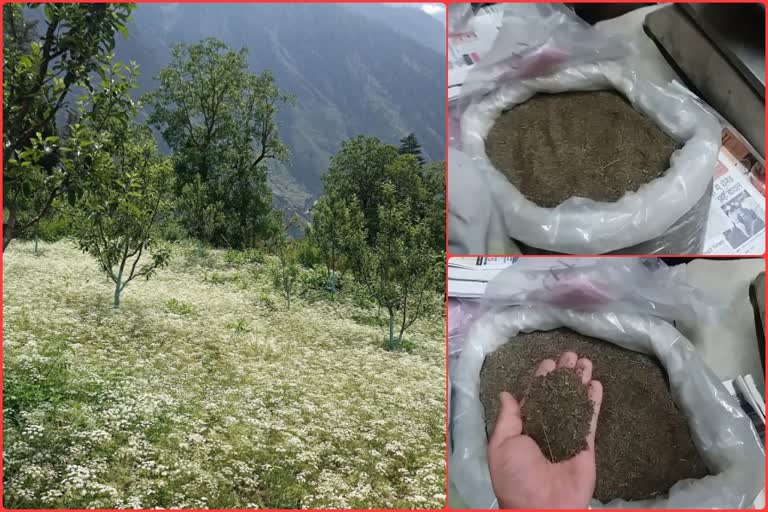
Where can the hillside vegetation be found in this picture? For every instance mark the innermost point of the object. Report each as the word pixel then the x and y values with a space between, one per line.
pixel 203 390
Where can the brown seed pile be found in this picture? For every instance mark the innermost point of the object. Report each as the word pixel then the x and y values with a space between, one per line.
pixel 643 444
pixel 584 144
pixel 557 414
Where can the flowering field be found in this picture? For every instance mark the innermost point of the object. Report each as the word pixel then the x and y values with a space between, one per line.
pixel 202 391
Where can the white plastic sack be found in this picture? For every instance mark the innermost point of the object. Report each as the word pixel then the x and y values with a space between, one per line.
pixel 721 431
pixel 580 225
pixel 547 48
pixel 535 39
pixel 459 16
pixel 613 285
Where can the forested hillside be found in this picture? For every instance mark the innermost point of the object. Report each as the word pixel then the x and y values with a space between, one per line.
pixel 387 84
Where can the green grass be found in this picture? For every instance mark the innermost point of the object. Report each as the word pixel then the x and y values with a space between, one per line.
pixel 179 308
pixel 205 391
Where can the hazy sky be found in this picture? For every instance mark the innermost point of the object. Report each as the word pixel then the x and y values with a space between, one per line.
pixel 436 10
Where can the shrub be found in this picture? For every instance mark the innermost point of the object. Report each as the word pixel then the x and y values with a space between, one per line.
pixel 317 279
pixel 285 272
pixel 266 301
pixel 234 420
pixel 234 257
pixel 171 230
pixel 55 228
pixel 219 278
pixel 307 254
pixel 239 326
pixel 179 308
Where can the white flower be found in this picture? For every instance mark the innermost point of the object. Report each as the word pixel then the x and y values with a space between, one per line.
pixel 163 410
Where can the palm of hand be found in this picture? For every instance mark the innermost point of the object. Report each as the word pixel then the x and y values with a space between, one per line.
pixel 521 475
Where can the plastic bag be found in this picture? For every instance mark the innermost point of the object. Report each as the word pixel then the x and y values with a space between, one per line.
pixel 535 39
pixel 723 434
pixel 459 16
pixel 461 314
pixel 579 225
pixel 616 285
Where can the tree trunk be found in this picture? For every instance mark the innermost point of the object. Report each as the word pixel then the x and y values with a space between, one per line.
pixel 391 330
pixel 116 302
pixel 36 240
pixel 8 226
pixel 333 269
pixel 402 331
pixel 118 289
pixel 199 249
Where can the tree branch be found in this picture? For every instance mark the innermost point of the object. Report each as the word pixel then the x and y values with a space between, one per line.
pixel 46 205
pixel 105 263
pixel 405 309
pixel 46 60
pixel 419 307
pixel 135 262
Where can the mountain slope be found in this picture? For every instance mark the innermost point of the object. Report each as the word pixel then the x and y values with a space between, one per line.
pixel 411 23
pixel 351 74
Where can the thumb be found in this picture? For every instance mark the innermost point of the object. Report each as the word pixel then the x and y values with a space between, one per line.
pixel 508 422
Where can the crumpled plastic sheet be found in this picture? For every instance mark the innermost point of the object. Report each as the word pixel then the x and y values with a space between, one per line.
pixel 626 285
pixel 686 236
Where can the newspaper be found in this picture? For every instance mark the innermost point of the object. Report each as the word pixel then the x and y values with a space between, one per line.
pixel 744 390
pixel 751 401
pixel 468 276
pixel 737 213
pixel 466 288
pixel 467 46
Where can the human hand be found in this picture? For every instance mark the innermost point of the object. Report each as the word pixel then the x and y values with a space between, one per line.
pixel 521 475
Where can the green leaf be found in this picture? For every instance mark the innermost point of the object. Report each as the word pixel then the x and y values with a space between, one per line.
pixel 123 30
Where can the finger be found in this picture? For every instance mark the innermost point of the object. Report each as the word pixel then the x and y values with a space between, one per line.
pixel 584 370
pixel 544 368
pixel 595 393
pixel 508 422
pixel 567 360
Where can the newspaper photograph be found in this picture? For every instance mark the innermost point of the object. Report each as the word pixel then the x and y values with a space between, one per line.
pixel 737 213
